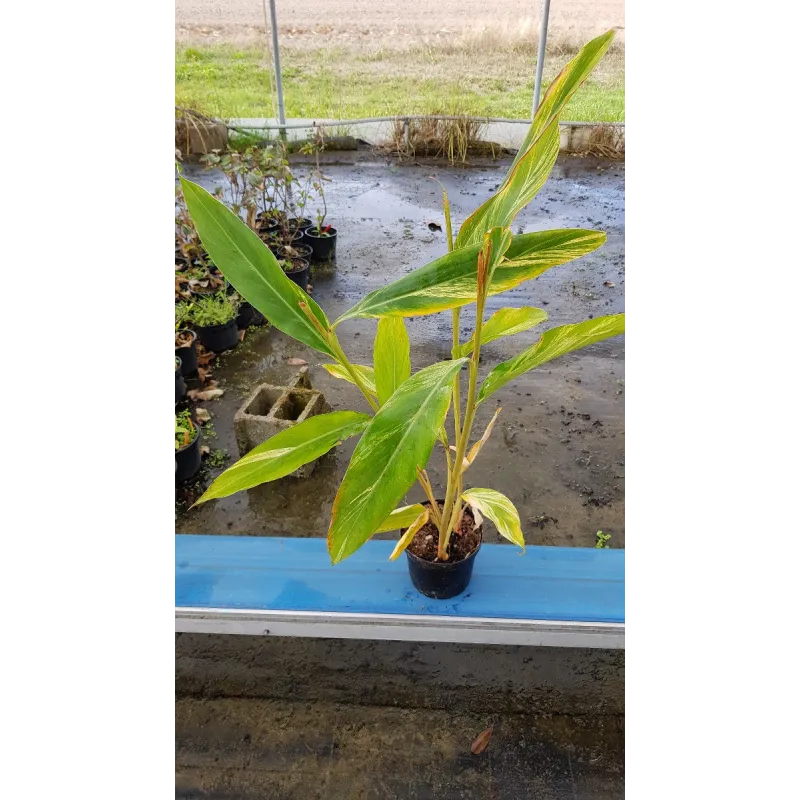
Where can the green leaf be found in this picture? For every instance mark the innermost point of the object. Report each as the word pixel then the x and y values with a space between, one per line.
pixel 383 468
pixel 252 269
pixel 500 510
pixel 286 451
pixel 451 281
pixel 520 187
pixel 564 86
pixel 539 150
pixel 554 343
pixel 392 356
pixel 400 518
pixel 405 539
pixel 505 322
pixel 367 375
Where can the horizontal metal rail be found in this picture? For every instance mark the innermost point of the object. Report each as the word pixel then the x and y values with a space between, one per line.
pixel 413 628
pixel 402 118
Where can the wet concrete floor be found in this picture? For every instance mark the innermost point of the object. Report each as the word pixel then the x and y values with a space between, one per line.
pixel 558 448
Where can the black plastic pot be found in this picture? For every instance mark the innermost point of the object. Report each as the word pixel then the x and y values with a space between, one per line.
pixel 277 242
pixel 301 251
pixel 219 338
pixel 187 354
pixel 323 248
pixel 442 579
pixel 248 316
pixel 300 276
pixel 188 460
pixel 180 386
pixel 299 223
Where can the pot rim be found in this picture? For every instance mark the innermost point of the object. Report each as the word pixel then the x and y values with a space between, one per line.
pixel 217 327
pixel 186 330
pixel 444 565
pixel 302 269
pixel 331 235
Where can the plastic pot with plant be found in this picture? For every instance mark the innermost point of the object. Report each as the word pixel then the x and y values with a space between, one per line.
pixel 185 340
pixel 187 447
pixel 321 237
pixel 412 412
pixel 214 318
pixel 180 386
pixel 296 270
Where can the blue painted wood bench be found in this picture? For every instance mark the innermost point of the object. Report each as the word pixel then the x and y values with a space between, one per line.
pixel 558 596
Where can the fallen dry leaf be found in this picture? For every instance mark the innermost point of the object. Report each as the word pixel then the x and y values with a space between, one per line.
pixel 610 284
pixel 204 449
pixel 434 226
pixel 202 374
pixel 481 741
pixel 205 357
pixel 242 332
pixel 202 415
pixel 206 394
pixel 296 362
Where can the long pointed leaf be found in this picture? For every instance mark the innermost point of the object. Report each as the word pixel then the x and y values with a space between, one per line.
pixel 392 356
pixel 405 539
pixel 537 155
pixel 554 343
pixel 367 375
pixel 399 438
pixel 400 518
pixel 500 510
pixel 282 454
pixel 520 187
pixel 252 269
pixel 476 448
pixel 451 281
pixel 564 86
pixel 506 322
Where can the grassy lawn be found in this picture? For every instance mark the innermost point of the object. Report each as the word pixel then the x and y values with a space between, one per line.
pixel 339 83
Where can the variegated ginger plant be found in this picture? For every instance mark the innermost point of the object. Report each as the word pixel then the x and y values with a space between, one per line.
pixel 410 410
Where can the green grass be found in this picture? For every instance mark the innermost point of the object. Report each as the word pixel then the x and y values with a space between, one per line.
pixel 226 82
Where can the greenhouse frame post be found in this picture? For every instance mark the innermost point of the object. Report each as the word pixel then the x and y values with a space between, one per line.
pixel 276 56
pixel 537 88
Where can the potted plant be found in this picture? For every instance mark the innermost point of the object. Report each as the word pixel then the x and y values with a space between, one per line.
pixel 321 237
pixel 296 270
pixel 180 386
pixel 410 411
pixel 185 340
pixel 238 171
pixel 215 320
pixel 187 447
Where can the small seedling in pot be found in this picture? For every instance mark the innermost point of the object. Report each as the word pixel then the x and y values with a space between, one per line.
pixel 185 429
pixel 410 410
pixel 217 309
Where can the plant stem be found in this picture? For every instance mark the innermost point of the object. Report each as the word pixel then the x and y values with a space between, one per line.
pixel 451 509
pixel 337 348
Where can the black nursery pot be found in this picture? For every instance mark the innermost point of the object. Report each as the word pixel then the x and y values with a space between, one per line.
pixel 323 248
pixel 276 242
pixel 188 354
pixel 219 338
pixel 299 223
pixel 248 316
pixel 180 386
pixel 301 251
pixel 300 276
pixel 187 460
pixel 442 579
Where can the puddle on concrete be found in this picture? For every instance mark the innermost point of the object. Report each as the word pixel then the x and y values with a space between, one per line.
pixel 558 448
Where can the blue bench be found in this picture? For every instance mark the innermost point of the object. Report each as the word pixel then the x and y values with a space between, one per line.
pixel 253 585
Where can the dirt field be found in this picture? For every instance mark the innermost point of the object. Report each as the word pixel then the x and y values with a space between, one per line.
pixel 399 23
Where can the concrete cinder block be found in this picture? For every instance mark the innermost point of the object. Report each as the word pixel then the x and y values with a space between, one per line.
pixel 271 409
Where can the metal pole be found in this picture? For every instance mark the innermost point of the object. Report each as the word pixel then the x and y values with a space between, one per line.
pixel 277 60
pixel 537 89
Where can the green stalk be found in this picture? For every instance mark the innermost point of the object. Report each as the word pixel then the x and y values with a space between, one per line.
pixel 337 348
pixel 450 511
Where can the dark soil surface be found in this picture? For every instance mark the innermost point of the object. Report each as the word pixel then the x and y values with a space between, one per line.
pixel 464 540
